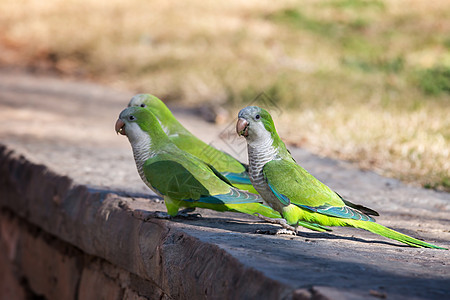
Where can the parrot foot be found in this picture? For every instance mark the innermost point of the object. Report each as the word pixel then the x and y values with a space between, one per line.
pixel 161 215
pixel 188 216
pixel 287 229
pixel 187 210
pixel 185 214
pixel 276 231
pixel 182 214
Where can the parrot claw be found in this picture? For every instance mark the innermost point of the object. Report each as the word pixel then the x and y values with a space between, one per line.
pixel 287 229
pixel 161 215
pixel 276 231
pixel 188 216
pixel 187 210
pixel 185 214
pixel 181 214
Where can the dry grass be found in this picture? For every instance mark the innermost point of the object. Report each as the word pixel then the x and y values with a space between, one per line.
pixel 363 80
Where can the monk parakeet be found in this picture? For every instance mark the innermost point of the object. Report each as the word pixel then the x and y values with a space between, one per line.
pixel 227 165
pixel 179 177
pixel 292 191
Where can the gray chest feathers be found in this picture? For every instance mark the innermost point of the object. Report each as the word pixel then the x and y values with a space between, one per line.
pixel 257 159
pixel 142 152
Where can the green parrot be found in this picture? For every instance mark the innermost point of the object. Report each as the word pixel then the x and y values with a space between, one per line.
pixel 228 166
pixel 179 177
pixel 292 191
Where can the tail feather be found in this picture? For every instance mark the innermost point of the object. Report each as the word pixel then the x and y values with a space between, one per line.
pixel 392 234
pixel 313 226
pixel 254 208
pixel 257 208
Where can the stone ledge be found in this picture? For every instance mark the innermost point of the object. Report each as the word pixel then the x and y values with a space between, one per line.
pixel 39 265
pixel 78 184
pixel 102 225
pixel 152 258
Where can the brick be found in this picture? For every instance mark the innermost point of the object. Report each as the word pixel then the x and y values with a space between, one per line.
pixel 96 286
pixel 48 270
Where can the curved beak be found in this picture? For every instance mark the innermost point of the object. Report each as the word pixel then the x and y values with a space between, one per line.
pixel 242 127
pixel 120 127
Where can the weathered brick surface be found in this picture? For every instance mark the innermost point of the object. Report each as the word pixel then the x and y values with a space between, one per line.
pixel 50 271
pixel 10 286
pixel 95 285
pixel 36 264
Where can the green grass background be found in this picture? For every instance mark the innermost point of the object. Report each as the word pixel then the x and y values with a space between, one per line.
pixel 361 80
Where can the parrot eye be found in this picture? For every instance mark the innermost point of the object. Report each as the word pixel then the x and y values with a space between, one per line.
pixel 143 105
pixel 257 117
pixel 131 118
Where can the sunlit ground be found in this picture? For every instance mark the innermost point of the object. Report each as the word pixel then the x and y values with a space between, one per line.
pixel 367 81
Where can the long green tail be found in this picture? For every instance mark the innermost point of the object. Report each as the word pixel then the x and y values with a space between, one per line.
pixel 246 208
pixel 313 226
pixel 392 234
pixel 257 208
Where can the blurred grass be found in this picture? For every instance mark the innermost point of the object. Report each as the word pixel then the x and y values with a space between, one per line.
pixel 363 80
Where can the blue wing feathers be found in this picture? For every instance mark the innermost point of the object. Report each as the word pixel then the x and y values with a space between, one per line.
pixel 344 212
pixel 235 196
pixel 238 178
pixel 285 200
pixel 339 211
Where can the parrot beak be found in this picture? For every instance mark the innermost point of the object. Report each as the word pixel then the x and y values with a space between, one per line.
pixel 120 127
pixel 242 127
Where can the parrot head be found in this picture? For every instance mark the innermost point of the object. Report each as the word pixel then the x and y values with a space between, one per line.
pixel 152 103
pixel 137 122
pixel 157 107
pixel 146 100
pixel 254 124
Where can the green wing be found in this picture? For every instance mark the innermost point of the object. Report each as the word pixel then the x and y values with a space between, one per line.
pixel 184 139
pixel 171 179
pixel 361 208
pixel 228 166
pixel 292 184
pixel 189 179
pixel 222 161
pixel 218 174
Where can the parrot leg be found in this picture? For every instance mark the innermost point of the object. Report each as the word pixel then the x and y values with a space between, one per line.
pixel 187 210
pixel 182 214
pixel 173 206
pixel 161 215
pixel 287 229
pixel 185 214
